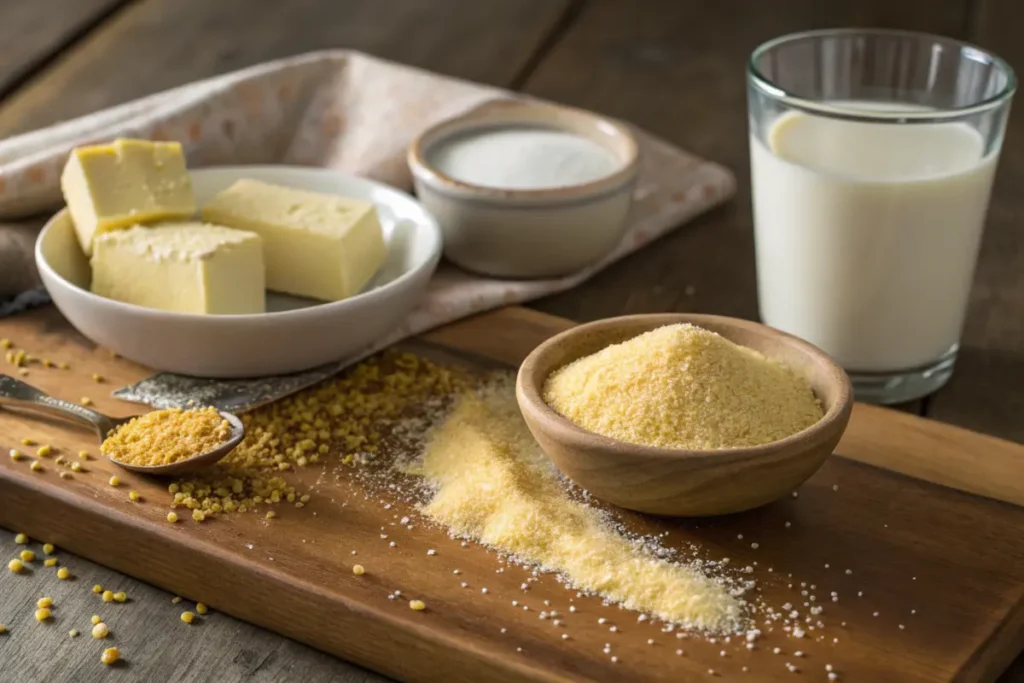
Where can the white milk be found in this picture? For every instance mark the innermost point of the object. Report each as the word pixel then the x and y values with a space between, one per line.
pixel 867 235
pixel 523 158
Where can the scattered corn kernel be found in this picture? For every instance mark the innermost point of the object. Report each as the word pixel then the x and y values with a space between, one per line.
pixel 115 480
pixel 188 617
pixel 358 570
pixel 21 539
pixel 176 599
pixel 50 562
pixel 108 596
pixel 417 605
pixel 63 574
pixel 28 442
pixel 47 363
pixel 66 475
pixel 76 467
pixel 60 460
pixel 172 517
pixel 27 555
pixel 63 365
pixel 271 514
pixel 86 401
pixel 110 656
pixel 198 515
pixel 45 601
pixel 83 455
pixel 3 629
pixel 42 614
pixel 100 630
pixel 201 608
pixel 120 596
pixel 36 466
pixel 97 588
pixel 133 495
pixel 48 548
pixel 73 633
pixel 44 450
pixel 97 378
pixel 95 619
pixel 16 455
pixel 6 343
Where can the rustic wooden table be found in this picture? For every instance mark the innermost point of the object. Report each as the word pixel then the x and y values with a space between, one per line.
pixel 674 68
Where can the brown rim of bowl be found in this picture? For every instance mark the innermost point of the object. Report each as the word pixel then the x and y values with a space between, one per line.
pixel 510 112
pixel 567 429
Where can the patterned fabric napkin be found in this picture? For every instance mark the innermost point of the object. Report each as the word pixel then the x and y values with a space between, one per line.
pixel 335 109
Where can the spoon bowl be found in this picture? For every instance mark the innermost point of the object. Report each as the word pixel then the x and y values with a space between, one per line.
pixel 678 482
pixel 18 394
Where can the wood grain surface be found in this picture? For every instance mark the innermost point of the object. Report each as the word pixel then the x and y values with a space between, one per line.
pixel 943 564
pixel 158 44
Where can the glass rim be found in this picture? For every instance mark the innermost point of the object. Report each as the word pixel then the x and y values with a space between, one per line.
pixel 766 86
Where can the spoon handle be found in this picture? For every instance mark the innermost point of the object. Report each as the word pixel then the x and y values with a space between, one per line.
pixel 16 393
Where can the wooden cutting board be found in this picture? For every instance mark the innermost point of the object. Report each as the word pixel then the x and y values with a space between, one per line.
pixel 934 594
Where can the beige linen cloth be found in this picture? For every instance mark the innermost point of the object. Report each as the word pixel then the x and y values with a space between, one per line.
pixel 341 110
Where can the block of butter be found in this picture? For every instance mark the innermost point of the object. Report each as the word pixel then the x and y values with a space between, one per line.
pixel 182 267
pixel 316 245
pixel 115 186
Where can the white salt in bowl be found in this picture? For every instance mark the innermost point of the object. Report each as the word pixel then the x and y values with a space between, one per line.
pixel 294 334
pixel 532 230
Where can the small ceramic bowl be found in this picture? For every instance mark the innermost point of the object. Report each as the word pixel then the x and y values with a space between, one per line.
pixel 679 482
pixel 528 233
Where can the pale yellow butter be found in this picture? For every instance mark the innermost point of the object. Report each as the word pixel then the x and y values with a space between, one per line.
pixel 182 267
pixel 115 186
pixel 316 245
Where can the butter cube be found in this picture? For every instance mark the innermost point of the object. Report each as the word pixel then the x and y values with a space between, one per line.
pixel 115 186
pixel 316 245
pixel 182 267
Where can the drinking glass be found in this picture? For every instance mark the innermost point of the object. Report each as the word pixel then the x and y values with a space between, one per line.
pixel 872 159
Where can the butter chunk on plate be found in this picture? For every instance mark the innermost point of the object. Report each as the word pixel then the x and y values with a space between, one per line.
pixel 317 245
pixel 294 333
pixel 125 183
pixel 182 267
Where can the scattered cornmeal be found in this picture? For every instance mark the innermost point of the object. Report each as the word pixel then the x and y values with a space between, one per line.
pixel 484 445
pixel 172 517
pixel 44 451
pixel 28 442
pixel 16 455
pixel 100 630
pixel 73 633
pixel 110 656
pixel 48 548
pixel 201 608
pixel 50 562
pixel 95 619
pixel 188 617
pixel 42 614
pixel 358 569
pixel 681 386
pixel 36 466
pixel 120 596
pixel 108 596
pixel 163 437
pixel 63 574
pixel 86 401
pixel 21 539
pixel 417 605
pixel 3 629
pixel 97 588
pixel 45 601
pixel 115 480
pixel 134 496
pixel 27 556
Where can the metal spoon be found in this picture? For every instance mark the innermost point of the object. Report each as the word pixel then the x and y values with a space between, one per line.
pixel 18 394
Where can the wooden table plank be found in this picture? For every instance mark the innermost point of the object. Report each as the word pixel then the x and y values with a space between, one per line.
pixel 32 32
pixel 159 44
pixel 985 393
pixel 139 53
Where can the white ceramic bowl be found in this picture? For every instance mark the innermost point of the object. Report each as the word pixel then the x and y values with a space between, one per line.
pixel 528 233
pixel 295 334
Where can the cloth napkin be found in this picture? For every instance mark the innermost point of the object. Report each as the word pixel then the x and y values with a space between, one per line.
pixel 336 109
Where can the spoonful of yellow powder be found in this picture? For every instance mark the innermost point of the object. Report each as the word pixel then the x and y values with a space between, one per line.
pixel 681 386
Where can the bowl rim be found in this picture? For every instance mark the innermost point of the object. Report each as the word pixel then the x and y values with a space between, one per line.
pixel 513 111
pixel 527 391
pixel 48 272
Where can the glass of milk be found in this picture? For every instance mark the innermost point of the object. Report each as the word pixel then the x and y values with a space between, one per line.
pixel 872 156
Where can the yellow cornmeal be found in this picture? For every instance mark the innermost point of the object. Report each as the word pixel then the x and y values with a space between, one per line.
pixel 493 483
pixel 681 386
pixel 163 437
pixel 343 419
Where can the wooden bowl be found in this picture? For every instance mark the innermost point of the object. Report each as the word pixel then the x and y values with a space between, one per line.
pixel 666 481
